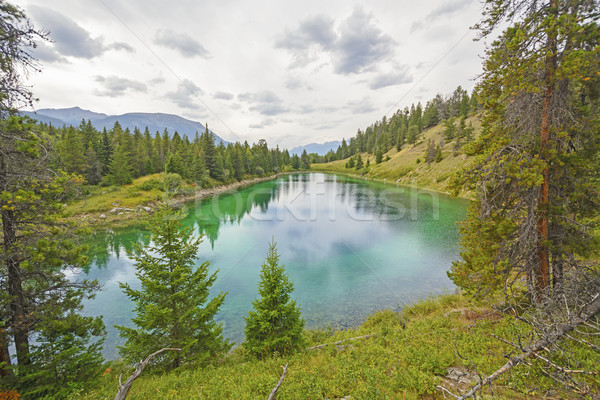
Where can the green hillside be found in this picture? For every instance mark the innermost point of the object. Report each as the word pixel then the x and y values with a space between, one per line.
pixel 408 166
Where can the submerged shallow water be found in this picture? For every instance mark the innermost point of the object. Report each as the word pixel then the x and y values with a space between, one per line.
pixel 350 246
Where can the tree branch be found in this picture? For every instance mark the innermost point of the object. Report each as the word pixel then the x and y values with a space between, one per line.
pixel 588 311
pixel 276 388
pixel 124 388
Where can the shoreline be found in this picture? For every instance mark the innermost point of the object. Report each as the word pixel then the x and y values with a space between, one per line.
pixel 395 183
pixel 121 217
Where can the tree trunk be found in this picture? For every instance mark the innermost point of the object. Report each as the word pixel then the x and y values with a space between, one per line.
pixel 543 268
pixel 15 285
pixel 4 354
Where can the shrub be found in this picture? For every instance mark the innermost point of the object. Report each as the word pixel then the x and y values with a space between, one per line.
pixel 172 182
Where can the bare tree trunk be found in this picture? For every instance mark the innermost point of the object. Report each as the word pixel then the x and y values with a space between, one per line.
pixel 543 268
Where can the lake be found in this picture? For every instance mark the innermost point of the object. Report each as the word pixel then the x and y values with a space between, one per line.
pixel 351 247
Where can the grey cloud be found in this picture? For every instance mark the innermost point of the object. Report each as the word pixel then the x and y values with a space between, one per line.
pixel 399 76
pixel 445 9
pixel 69 38
pixel 313 34
pixel 314 30
pixel 263 123
pixel 265 102
pixel 361 44
pixel 48 54
pixel 363 106
pixel 356 48
pixel 311 108
pixel 223 96
pixel 186 94
pixel 113 86
pixel 295 83
pixel 157 80
pixel 181 42
pixel 121 46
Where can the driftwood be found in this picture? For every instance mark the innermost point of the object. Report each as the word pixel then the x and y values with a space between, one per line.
pixel 124 388
pixel 589 311
pixel 276 388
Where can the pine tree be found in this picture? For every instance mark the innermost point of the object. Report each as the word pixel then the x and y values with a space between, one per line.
pixel 172 307
pixel 359 162
pixel 378 156
pixel 537 155
pixel 275 324
pixel 438 153
pixel 38 300
pixel 304 160
pixel 119 168
pixel 72 151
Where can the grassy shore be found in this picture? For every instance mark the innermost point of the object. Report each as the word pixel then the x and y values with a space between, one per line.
pixel 132 204
pixel 408 166
pixel 408 356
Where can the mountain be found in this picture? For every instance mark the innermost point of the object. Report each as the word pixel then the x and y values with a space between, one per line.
pixel 319 148
pixel 70 116
pixel 156 122
pixel 44 118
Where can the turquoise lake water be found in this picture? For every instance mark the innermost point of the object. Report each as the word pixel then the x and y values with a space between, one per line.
pixel 350 246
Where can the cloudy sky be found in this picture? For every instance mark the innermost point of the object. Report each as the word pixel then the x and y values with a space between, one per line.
pixel 288 72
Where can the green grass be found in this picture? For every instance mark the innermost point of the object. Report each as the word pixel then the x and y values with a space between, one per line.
pixel 398 363
pixel 403 167
pixel 100 199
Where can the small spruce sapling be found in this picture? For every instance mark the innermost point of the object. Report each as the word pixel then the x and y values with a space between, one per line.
pixel 275 324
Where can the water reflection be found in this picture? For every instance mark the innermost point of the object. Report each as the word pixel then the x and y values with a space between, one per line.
pixel 350 246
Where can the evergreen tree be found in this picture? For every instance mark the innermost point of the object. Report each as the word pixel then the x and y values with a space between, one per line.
pixel 359 162
pixel 449 129
pixel 537 155
pixel 350 163
pixel 438 153
pixel 172 306
pixel 413 134
pixel 174 165
pixel 378 156
pixel 119 168
pixel 304 160
pixel 37 297
pixel 275 324
pixel 72 151
pixel 106 151
pixel 93 171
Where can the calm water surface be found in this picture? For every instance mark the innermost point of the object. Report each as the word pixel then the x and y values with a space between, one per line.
pixel 350 246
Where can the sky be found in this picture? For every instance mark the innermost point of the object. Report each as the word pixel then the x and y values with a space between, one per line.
pixel 288 72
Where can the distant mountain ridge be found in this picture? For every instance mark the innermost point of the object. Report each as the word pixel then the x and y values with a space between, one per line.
pixel 319 148
pixel 156 122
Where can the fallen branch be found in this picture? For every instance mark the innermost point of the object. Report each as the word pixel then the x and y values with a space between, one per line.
pixel 124 388
pixel 589 311
pixel 276 388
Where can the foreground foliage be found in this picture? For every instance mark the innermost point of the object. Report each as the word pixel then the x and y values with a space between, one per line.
pixel 399 362
pixel 38 300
